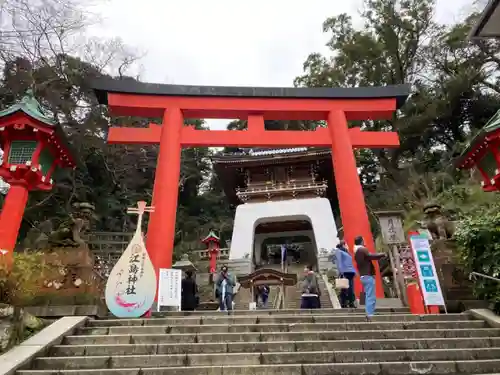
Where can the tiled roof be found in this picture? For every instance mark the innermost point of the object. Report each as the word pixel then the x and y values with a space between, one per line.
pixel 267 155
pixel 31 107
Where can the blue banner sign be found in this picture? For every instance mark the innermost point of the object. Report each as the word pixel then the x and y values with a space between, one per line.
pixel 429 282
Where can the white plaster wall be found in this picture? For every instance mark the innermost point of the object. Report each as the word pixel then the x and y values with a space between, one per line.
pixel 317 210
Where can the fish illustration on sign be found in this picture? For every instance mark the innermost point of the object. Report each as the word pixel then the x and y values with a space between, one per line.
pixel 131 286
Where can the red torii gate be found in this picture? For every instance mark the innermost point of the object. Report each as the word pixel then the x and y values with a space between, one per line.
pixel 174 103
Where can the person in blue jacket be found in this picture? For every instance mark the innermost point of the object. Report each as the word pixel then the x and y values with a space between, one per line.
pixel 346 270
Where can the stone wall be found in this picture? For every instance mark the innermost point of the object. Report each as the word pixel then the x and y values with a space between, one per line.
pixel 455 284
pixel 15 327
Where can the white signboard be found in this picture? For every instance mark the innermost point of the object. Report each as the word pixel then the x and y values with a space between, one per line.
pixel 429 282
pixel 130 289
pixel 169 288
pixel 392 229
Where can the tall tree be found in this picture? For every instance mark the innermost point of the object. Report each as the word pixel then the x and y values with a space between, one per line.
pixel 453 87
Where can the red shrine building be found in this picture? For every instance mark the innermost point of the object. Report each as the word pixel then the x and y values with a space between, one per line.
pixel 483 154
pixel 173 104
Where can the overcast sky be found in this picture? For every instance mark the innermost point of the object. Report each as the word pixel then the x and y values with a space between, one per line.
pixel 231 43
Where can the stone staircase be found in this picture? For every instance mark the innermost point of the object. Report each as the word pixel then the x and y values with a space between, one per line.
pixel 294 293
pixel 266 342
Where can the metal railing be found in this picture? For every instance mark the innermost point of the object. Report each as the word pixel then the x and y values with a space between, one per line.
pixel 475 275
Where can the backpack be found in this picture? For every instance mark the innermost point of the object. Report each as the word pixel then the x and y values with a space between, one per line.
pixel 311 285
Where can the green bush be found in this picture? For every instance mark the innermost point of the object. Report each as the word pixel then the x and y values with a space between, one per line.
pixel 22 283
pixel 478 239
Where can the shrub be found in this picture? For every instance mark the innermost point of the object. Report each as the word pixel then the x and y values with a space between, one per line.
pixel 22 283
pixel 478 240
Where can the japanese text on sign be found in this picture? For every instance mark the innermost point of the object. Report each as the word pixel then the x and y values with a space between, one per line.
pixel 169 287
pixel 392 229
pixel 133 270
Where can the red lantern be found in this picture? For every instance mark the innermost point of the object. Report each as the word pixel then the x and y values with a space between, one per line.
pixel 34 146
pixel 213 246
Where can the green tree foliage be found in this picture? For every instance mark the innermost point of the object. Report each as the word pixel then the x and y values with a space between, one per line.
pixel 41 48
pixel 454 88
pixel 478 237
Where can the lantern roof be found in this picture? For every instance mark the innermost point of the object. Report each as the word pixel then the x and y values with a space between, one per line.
pixel 492 126
pixel 185 264
pixel 31 107
pixel 211 237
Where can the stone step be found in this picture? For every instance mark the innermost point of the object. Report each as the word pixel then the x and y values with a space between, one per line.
pixel 319 335
pixel 273 319
pixel 280 312
pixel 277 346
pixel 283 327
pixel 265 358
pixel 485 367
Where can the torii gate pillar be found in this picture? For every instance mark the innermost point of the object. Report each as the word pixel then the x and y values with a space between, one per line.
pixel 161 229
pixel 350 192
pixel 174 103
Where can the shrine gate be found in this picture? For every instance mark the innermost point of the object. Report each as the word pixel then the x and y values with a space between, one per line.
pixel 175 103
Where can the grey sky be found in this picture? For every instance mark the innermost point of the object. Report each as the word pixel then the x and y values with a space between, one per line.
pixel 233 43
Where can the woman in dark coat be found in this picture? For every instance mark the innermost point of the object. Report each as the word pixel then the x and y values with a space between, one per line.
pixel 189 293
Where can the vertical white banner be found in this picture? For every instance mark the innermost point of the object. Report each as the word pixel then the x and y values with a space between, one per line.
pixel 429 281
pixel 169 287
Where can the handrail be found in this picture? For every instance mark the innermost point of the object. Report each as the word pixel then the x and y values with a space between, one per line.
pixel 277 298
pixel 474 275
pixel 334 299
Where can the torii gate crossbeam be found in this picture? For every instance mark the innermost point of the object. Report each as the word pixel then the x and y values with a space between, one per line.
pixel 175 103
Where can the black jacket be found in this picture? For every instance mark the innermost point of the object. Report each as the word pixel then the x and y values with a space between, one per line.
pixel 189 296
pixel 364 261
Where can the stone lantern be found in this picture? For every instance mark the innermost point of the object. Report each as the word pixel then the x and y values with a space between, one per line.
pixel 185 264
pixel 483 154
pixel 34 147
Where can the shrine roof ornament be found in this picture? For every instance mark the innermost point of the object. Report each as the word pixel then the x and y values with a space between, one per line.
pixel 103 86
pixel 31 107
pixel 480 141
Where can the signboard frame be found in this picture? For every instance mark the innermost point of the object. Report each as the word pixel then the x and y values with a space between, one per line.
pixel 391 227
pixel 423 259
pixel 393 235
pixel 169 288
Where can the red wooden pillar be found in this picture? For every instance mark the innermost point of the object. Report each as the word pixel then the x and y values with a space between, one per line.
pixel 415 299
pixel 10 221
pixel 349 192
pixel 161 228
